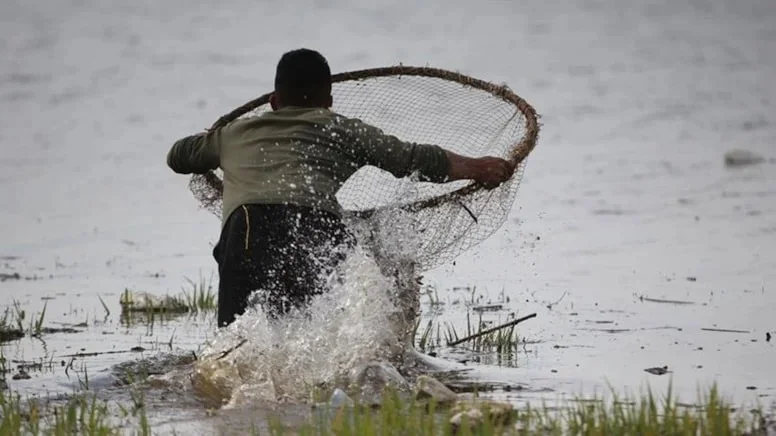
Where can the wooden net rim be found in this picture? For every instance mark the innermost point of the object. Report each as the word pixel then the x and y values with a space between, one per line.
pixel 519 153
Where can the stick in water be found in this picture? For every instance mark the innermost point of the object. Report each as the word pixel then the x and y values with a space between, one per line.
pixel 491 330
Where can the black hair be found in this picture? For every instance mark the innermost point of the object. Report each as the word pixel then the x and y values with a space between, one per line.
pixel 302 78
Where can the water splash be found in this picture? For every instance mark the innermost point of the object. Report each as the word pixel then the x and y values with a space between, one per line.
pixel 364 317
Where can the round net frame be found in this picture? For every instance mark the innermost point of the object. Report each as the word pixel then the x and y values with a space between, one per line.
pixel 463 114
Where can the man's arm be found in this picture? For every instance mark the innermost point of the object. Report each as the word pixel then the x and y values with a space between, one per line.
pixel 371 146
pixel 433 163
pixel 196 154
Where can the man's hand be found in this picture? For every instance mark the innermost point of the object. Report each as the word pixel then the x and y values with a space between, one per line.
pixel 488 171
pixel 492 171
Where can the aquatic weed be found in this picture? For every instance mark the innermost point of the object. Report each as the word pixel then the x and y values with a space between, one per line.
pixel 7 331
pixel 501 341
pixel 15 326
pixel 196 298
pixel 105 307
pixel 201 298
pixel 39 321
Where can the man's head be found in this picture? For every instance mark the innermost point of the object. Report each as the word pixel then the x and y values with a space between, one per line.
pixel 302 78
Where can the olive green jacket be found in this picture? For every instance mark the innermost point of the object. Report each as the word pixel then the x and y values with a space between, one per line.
pixel 299 156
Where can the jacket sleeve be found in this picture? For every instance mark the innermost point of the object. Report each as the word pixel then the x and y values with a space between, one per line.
pixel 196 154
pixel 400 158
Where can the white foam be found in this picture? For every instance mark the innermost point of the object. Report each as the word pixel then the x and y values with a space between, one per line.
pixel 351 325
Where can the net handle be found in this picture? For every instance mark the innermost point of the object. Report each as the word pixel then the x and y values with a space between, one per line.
pixel 518 154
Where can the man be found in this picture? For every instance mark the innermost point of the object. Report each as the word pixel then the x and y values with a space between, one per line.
pixel 281 229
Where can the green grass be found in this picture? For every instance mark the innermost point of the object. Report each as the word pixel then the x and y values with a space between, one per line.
pixel 503 341
pixel 8 332
pixel 81 414
pixel 200 296
pixel 196 297
pixel 646 415
pixel 402 415
pixel 14 323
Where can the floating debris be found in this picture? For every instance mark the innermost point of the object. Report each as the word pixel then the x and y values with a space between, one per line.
pixel 52 330
pixel 21 375
pixel 739 158
pixel 658 370
pixel 660 300
pixel 724 330
pixel 17 276
pixel 488 308
pixel 6 276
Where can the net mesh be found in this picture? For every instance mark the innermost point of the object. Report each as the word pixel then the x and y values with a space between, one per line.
pixel 460 113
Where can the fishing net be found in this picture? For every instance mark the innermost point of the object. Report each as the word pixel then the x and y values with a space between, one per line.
pixel 463 114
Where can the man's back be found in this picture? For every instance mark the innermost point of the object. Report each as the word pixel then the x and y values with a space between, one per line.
pixel 303 156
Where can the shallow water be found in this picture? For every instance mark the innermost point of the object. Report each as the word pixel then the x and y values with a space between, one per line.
pixel 626 195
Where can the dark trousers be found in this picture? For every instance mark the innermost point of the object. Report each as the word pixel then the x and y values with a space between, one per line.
pixel 285 252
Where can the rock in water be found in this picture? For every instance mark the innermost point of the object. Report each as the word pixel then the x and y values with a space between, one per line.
pixel 339 399
pixel 497 413
pixel 372 379
pixel 472 418
pixel 738 158
pixel 429 387
pixel 215 381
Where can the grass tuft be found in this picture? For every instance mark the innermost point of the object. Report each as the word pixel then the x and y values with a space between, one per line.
pixel 8 331
pixel 201 296
pixel 197 297
pixel 14 323
pixel 503 342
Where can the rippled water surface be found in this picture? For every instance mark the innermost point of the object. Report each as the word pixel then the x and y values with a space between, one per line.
pixel 626 201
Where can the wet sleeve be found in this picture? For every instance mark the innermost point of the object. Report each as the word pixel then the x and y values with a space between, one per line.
pixel 196 154
pixel 400 158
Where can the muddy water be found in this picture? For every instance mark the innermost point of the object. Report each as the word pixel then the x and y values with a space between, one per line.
pixel 625 201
